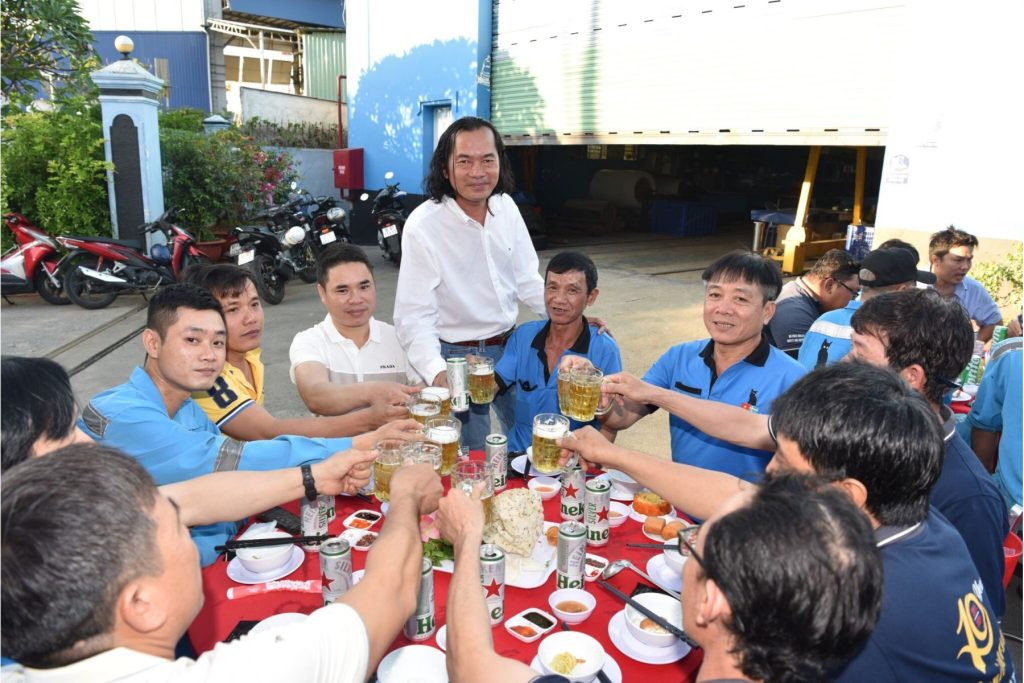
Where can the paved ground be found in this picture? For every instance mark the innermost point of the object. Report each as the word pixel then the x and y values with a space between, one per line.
pixel 650 295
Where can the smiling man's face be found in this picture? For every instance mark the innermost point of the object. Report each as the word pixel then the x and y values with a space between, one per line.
pixel 566 296
pixel 735 311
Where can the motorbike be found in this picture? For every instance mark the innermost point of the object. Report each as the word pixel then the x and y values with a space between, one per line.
pixel 390 214
pixel 328 218
pixel 31 264
pixel 99 269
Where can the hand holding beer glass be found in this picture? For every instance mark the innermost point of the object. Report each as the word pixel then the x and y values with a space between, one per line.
pixel 482 386
pixel 389 459
pixel 547 429
pixel 445 432
pixel 423 406
pixel 467 474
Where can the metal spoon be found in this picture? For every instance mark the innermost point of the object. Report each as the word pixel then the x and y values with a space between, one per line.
pixel 618 565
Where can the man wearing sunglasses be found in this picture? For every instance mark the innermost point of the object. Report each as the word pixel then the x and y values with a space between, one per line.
pixel 831 284
pixel 864 429
pixel 753 622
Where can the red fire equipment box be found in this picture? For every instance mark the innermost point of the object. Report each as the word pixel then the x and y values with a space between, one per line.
pixel 348 169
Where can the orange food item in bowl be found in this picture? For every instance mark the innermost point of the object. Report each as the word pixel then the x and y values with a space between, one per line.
pixel 671 529
pixel 650 504
pixel 654 525
pixel 552 535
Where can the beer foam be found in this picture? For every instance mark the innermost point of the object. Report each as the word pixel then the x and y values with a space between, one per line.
pixel 438 392
pixel 480 370
pixel 443 435
pixel 425 409
pixel 550 431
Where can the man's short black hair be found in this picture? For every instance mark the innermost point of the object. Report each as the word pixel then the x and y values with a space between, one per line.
pixel 163 307
pixel 223 280
pixel 439 185
pixel 857 421
pixel 919 327
pixel 803 577
pixel 942 241
pixel 747 266
pixel 900 244
pixel 566 261
pixel 77 527
pixel 337 254
pixel 836 264
pixel 37 401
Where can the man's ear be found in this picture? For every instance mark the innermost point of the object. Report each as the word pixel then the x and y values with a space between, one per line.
pixel 769 311
pixel 856 491
pixel 592 297
pixel 138 607
pixel 914 375
pixel 151 343
pixel 715 606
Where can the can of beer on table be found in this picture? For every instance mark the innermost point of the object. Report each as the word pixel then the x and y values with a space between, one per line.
pixel 573 493
pixel 314 521
pixel 496 453
pixel 420 625
pixel 458 383
pixel 598 496
pixel 492 578
pixel 335 568
pixel 328 502
pixel 999 334
pixel 572 554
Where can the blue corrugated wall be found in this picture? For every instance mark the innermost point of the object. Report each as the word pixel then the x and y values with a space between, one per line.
pixel 185 53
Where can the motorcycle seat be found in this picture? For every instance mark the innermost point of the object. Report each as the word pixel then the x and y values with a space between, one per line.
pixel 134 244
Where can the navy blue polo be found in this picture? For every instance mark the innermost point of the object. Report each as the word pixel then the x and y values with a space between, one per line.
pixel 796 309
pixel 753 382
pixel 525 363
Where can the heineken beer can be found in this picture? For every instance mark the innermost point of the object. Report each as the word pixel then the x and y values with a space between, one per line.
pixel 573 494
pixel 496 453
pixel 458 384
pixel 492 578
pixel 335 568
pixel 597 497
pixel 998 334
pixel 329 505
pixel 314 521
pixel 572 554
pixel 420 625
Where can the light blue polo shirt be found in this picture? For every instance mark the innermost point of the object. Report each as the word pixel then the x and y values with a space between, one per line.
pixel 977 302
pixel 757 381
pixel 997 408
pixel 525 364
pixel 132 418
pixel 828 338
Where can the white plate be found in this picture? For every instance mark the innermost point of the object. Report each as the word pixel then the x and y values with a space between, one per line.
pixel 353 536
pixel 420 663
pixel 239 574
pixel 637 517
pixel 277 620
pixel 543 553
pixel 642 652
pixel 441 637
pixel 621 493
pixel 658 538
pixel 611 668
pixel 519 465
pixel 962 396
pixel 658 569
pixel 352 522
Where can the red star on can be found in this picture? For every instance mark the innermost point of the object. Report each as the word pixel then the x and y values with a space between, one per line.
pixel 572 491
pixel 493 589
pixel 326 582
pixel 602 515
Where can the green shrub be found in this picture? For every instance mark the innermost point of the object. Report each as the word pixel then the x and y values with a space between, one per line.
pixel 309 135
pixel 1003 278
pixel 183 118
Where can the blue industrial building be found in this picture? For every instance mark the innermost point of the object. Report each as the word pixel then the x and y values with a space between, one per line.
pixel 180 58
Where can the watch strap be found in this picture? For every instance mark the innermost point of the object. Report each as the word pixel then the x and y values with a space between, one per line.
pixel 308 483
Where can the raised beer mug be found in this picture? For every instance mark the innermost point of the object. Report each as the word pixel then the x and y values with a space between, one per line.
pixel 389 459
pixel 423 406
pixel 445 432
pixel 585 392
pixel 482 386
pixel 547 428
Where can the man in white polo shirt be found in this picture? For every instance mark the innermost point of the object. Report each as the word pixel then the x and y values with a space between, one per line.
pixel 349 360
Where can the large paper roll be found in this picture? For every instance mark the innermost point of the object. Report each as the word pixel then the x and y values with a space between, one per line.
pixel 625 189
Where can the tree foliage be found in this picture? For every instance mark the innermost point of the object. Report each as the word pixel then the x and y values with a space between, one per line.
pixel 43 41
pixel 1003 278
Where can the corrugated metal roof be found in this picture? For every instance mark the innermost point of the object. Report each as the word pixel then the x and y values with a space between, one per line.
pixel 323 61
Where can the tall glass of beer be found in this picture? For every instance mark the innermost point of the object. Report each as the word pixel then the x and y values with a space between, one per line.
pixel 546 428
pixel 423 406
pixel 585 392
pixel 423 451
pixel 482 386
pixel 445 432
pixel 389 459
pixel 564 396
pixel 443 396
pixel 468 474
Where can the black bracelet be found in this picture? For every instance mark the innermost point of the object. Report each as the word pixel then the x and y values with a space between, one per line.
pixel 308 483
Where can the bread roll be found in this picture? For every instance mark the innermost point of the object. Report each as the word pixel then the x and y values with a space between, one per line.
pixel 671 529
pixel 654 525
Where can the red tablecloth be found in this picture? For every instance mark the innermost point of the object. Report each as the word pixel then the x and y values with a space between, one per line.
pixel 220 615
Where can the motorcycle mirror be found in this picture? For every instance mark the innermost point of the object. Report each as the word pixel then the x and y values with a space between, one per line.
pixel 389 175
pixel 363 197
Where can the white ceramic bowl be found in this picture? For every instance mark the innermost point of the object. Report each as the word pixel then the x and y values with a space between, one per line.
pixel 674 560
pixel 577 595
pixel 263 560
pixel 624 481
pixel 666 607
pixel 622 509
pixel 551 485
pixel 579 645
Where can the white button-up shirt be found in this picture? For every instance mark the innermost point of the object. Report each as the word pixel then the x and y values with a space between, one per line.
pixel 460 280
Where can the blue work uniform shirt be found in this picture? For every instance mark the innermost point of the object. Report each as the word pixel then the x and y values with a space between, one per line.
pixel 132 418
pixel 828 338
pixel 525 364
pixel 754 382
pixel 997 408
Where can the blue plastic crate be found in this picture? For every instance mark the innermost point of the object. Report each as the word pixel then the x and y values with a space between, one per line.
pixel 685 219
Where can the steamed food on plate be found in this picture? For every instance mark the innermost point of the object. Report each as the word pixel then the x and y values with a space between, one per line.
pixel 650 504
pixel 517 521
pixel 565 662
pixel 652 626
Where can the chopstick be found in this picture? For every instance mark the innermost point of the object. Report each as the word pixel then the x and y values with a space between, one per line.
pixel 601 675
pixel 662 546
pixel 677 632
pixel 365 498
pixel 269 542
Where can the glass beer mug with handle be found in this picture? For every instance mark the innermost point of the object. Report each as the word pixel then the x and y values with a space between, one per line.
pixel 547 429
pixel 445 432
pixel 482 386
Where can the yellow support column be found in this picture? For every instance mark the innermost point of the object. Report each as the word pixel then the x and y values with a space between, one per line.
pixel 858 188
pixel 792 260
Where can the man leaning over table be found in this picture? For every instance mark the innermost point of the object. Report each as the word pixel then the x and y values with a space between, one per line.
pixel 753 622
pixel 235 401
pixel 136 584
pixel 876 439
pixel 153 418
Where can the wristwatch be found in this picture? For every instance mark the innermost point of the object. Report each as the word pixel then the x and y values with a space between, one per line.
pixel 308 483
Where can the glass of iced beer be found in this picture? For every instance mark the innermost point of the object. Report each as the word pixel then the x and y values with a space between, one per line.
pixel 547 428
pixel 423 406
pixel 389 459
pixel 585 392
pixel 564 395
pixel 468 474
pixel 482 386
pixel 423 451
pixel 445 432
